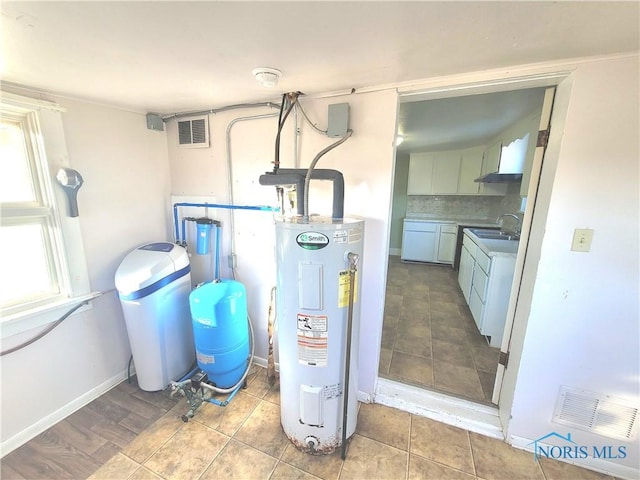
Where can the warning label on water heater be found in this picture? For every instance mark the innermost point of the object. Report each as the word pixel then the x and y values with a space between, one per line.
pixel 344 284
pixel 312 340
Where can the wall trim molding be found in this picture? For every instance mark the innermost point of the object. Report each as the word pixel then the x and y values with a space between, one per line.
pixel 460 413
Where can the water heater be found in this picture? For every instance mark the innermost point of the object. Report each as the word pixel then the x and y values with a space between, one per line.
pixel 313 304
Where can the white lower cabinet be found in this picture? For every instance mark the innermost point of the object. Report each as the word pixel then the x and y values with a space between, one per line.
pixel 428 241
pixel 486 285
pixel 447 243
pixel 419 241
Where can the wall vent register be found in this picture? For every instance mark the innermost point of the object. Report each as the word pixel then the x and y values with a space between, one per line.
pixel 597 413
pixel 193 132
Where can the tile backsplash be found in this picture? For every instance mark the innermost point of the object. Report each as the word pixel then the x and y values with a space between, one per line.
pixel 453 207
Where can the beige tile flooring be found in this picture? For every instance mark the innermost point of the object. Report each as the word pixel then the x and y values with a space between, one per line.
pixel 245 441
pixel 429 337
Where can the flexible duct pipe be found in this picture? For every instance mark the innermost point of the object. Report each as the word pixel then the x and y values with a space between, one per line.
pixel 307 180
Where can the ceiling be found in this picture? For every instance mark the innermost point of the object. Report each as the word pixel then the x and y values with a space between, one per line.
pixel 169 57
pixel 461 122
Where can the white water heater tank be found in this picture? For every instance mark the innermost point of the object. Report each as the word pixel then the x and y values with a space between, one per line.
pixel 313 283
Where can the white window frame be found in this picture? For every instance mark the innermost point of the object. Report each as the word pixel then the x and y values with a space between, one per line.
pixel 67 258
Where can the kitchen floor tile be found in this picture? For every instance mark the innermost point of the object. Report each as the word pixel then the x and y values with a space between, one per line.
pixel 436 325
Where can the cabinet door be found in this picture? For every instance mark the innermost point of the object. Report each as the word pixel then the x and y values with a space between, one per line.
pixel 446 169
pixel 470 169
pixel 465 274
pixel 447 244
pixel 418 246
pixel 490 163
pixel 420 174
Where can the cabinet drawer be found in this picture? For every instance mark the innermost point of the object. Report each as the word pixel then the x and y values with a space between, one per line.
pixel 480 280
pixel 476 306
pixel 420 226
pixel 446 228
pixel 471 245
pixel 483 260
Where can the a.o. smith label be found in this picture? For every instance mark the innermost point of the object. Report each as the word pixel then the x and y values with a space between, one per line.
pixel 312 240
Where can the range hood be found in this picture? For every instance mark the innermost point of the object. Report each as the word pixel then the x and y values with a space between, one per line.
pixel 511 163
pixel 497 177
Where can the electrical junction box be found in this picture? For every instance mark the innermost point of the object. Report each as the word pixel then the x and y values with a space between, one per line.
pixel 155 122
pixel 338 121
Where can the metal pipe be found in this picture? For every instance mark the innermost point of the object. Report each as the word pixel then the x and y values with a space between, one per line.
pixel 213 111
pixel 353 262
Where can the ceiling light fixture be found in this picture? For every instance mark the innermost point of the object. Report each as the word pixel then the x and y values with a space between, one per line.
pixel 267 77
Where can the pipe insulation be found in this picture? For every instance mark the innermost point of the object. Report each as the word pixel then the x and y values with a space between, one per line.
pixel 296 176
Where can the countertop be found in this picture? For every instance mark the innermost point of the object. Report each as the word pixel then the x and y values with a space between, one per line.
pixel 494 248
pixel 469 222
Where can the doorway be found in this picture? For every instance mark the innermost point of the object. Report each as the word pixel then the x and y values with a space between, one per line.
pixel 430 339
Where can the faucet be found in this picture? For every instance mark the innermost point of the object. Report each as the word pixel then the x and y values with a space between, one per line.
pixel 518 228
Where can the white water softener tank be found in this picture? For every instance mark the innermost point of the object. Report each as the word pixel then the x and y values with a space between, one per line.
pixel 154 282
pixel 313 283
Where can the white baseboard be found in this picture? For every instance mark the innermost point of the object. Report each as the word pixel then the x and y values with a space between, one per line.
pixel 442 408
pixel 590 463
pixel 395 251
pixel 50 420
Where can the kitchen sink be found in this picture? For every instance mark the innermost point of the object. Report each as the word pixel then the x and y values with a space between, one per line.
pixel 494 234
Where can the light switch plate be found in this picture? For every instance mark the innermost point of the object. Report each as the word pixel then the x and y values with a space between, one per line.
pixel 582 240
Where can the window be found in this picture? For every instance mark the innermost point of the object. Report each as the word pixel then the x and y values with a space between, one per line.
pixel 34 237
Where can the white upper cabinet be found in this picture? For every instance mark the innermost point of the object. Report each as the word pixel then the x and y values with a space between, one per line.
pixel 490 164
pixel 420 174
pixel 446 169
pixel 470 169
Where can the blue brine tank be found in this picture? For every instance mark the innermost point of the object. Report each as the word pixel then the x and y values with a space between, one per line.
pixel 220 331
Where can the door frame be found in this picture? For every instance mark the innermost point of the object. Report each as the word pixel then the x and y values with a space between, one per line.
pixel 491 421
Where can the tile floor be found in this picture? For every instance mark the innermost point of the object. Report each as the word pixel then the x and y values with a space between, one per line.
pixel 245 441
pixel 429 337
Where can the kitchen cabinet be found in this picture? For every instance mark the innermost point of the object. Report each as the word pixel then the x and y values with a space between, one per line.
pixel 490 164
pixel 485 280
pixel 428 241
pixel 420 174
pixel 419 240
pixel 446 169
pixel 470 169
pixel 454 172
pixel 447 243
pixel 465 274
pixel 433 173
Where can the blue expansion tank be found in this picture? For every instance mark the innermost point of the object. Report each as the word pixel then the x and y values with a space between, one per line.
pixel 221 331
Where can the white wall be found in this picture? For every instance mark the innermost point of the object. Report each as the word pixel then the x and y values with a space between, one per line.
pixel 121 204
pixel 399 206
pixel 582 317
pixel 366 162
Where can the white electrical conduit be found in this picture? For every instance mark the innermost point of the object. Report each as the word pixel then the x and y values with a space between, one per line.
pixel 307 179
pixel 319 130
pixel 230 176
